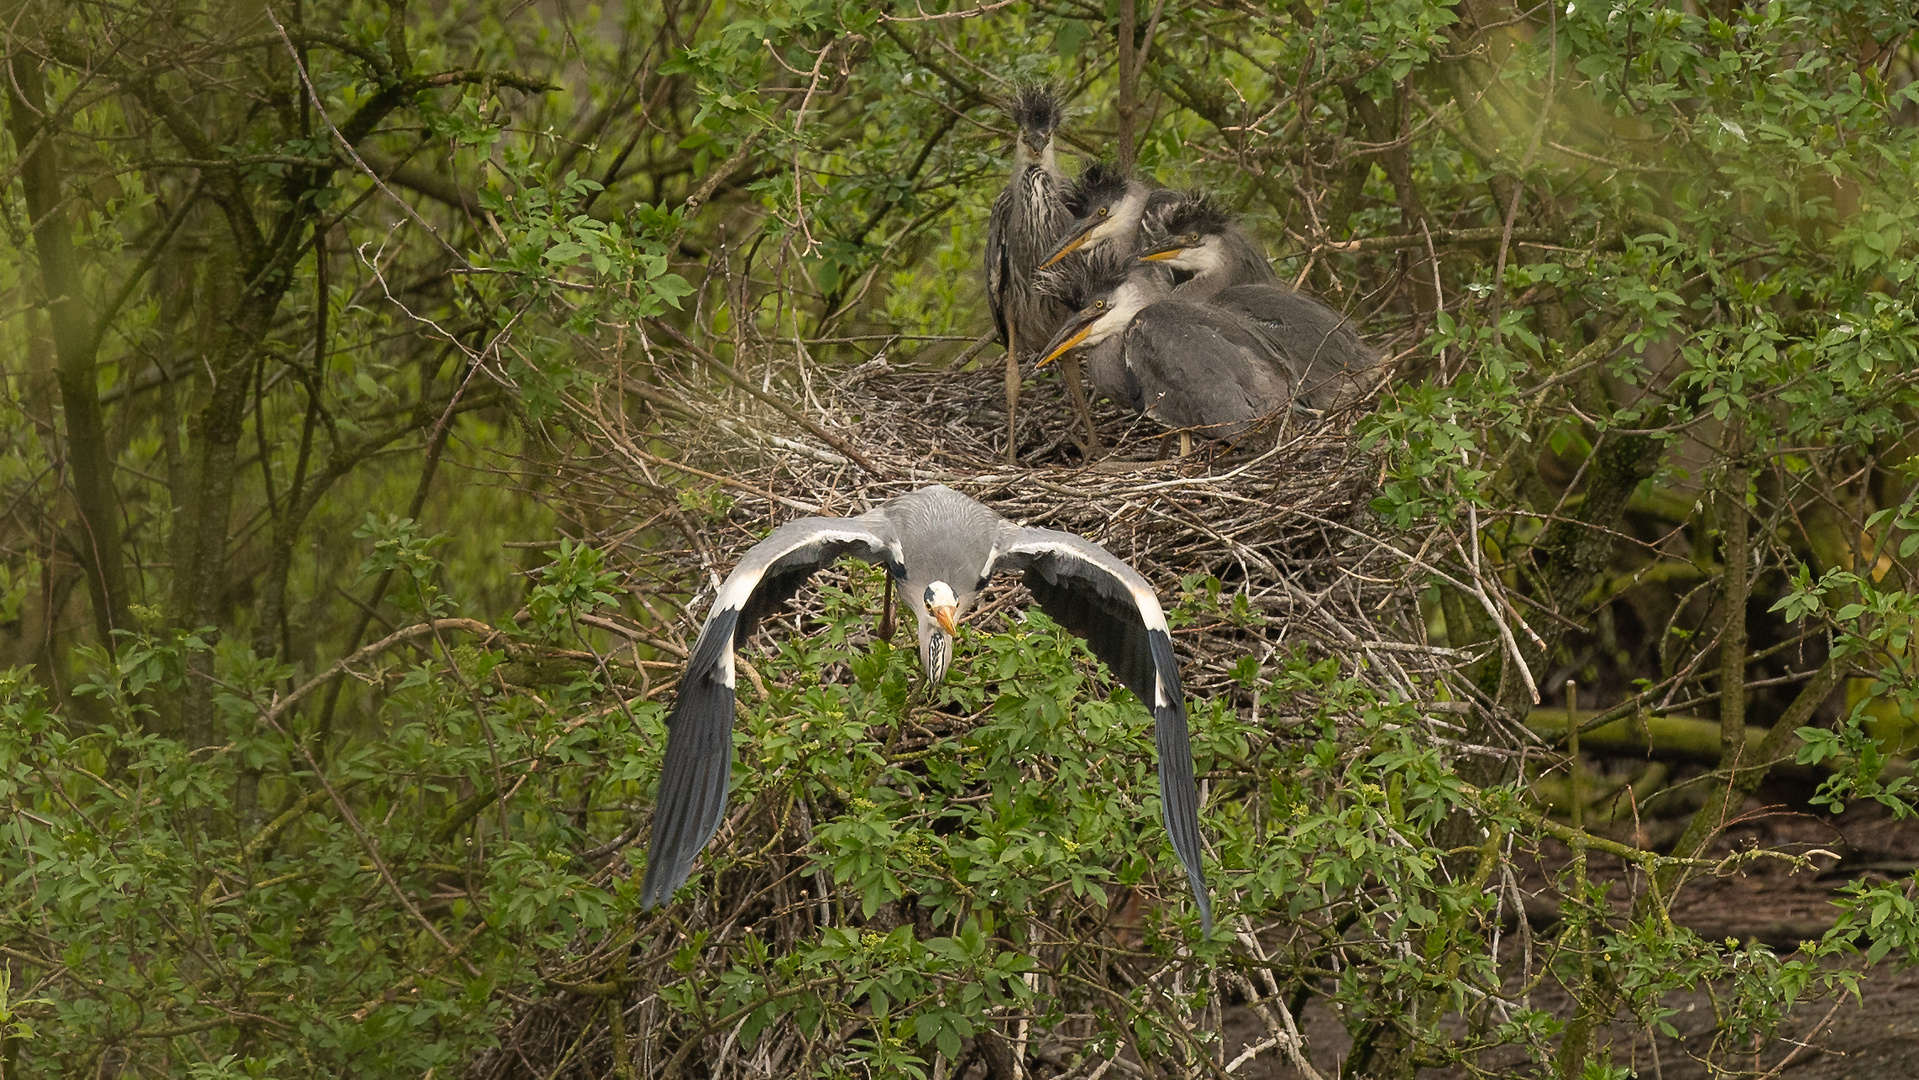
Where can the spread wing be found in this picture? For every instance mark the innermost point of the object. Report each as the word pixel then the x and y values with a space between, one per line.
pixel 998 270
pixel 1089 591
pixel 699 743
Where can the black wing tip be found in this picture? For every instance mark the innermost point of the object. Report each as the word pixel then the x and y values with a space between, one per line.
pixel 694 777
pixel 1205 909
pixel 1196 878
pixel 1179 791
pixel 658 887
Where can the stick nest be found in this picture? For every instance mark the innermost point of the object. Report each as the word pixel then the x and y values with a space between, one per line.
pixel 679 474
pixel 1280 518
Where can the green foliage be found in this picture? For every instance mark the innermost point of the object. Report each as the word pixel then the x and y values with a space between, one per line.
pixel 399 548
pixel 164 918
pixel 359 291
pixel 574 581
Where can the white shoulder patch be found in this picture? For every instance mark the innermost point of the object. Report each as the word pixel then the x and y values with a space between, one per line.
pixel 1149 612
pixel 739 586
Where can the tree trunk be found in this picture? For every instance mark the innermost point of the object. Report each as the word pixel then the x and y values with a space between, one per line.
pixel 95 537
pixel 1128 107
pixel 1733 526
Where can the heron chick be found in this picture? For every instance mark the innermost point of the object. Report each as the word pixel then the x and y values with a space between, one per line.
pixel 1027 220
pixel 1331 366
pixel 1196 367
pixel 1112 212
pixel 1201 239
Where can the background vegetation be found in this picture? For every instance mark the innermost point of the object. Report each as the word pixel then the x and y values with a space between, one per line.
pixel 355 520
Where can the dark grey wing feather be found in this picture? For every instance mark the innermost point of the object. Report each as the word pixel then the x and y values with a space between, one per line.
pixel 1321 346
pixel 1089 591
pixel 998 272
pixel 1203 368
pixel 699 742
pixel 699 761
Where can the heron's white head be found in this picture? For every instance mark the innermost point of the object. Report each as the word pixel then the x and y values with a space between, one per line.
pixel 1193 253
pixel 938 629
pixel 1101 319
pixel 943 605
pixel 1115 217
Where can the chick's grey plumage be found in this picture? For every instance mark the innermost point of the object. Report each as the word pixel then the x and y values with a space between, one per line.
pixel 1329 365
pixel 1027 219
pixel 929 539
pixel 1201 372
pixel 1192 366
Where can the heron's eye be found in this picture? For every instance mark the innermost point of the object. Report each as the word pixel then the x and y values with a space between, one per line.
pixel 1102 211
pixel 1099 305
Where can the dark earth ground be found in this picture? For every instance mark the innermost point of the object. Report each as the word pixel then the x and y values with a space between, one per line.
pixel 1874 1036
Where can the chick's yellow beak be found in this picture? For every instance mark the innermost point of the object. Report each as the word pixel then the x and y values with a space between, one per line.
pixel 1170 248
pixel 948 618
pixel 1071 245
pixel 1064 347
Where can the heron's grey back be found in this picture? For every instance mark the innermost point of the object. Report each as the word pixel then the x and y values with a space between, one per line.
pixel 1323 350
pixel 1199 367
pixel 948 537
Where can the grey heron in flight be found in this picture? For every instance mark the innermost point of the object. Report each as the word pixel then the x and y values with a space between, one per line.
pixel 1194 367
pixel 939 548
pixel 1027 220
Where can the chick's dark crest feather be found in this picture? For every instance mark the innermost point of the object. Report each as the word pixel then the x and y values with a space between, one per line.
pixel 1037 107
pixel 1196 214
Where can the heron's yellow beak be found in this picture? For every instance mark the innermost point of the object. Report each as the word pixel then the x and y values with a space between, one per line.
pixel 1065 347
pixel 1167 249
pixel 948 618
pixel 1072 244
